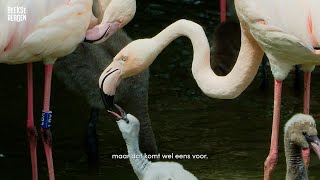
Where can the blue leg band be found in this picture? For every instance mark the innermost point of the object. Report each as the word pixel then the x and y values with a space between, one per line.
pixel 46 119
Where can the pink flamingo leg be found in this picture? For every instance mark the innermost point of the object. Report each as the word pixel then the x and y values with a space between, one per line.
pixel 306 102
pixel 306 107
pixel 271 161
pixel 45 131
pixel 223 10
pixel 31 129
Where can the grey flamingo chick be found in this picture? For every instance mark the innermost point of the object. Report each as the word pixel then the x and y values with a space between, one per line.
pixel 299 133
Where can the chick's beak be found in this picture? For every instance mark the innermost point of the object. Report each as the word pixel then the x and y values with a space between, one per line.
pixel 122 116
pixel 109 81
pixel 315 144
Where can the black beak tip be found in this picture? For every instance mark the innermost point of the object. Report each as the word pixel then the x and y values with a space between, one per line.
pixel 107 100
pixel 103 36
pixel 126 120
pixel 88 41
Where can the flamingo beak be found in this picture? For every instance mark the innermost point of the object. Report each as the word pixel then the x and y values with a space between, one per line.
pixel 122 116
pixel 101 32
pixel 107 100
pixel 315 144
pixel 109 81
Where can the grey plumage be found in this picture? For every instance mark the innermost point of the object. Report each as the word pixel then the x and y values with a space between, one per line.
pixel 80 72
pixel 294 141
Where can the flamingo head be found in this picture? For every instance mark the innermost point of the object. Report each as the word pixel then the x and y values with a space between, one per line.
pixel 133 59
pixel 116 15
pixel 127 123
pixel 301 130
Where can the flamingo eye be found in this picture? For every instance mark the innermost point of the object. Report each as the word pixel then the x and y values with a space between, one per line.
pixel 124 58
pixel 304 133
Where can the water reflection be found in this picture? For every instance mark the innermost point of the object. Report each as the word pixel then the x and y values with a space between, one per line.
pixel 234 134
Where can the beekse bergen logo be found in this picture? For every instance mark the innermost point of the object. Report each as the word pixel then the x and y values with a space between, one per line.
pixel 17 14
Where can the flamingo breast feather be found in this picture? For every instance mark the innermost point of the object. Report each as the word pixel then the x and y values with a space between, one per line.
pixel 51 30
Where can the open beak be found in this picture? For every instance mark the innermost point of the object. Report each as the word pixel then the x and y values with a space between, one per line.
pixel 315 144
pixel 109 81
pixel 101 32
pixel 122 116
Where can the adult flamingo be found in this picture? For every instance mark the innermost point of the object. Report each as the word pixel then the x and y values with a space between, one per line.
pixel 268 26
pixel 139 55
pixel 287 40
pixel 51 30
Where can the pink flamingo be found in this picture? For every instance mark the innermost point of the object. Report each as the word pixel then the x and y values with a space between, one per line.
pixel 288 38
pixel 307 80
pixel 50 30
pixel 45 35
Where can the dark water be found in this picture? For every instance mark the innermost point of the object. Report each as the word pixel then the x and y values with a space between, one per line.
pixel 234 134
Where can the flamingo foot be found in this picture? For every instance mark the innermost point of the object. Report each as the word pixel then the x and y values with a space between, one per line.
pixel 269 165
pixel 47 142
pixel 32 138
pixel 306 157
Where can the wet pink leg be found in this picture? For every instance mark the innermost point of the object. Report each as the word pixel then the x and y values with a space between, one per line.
pixel 45 126
pixel 271 161
pixel 306 107
pixel 31 129
pixel 223 10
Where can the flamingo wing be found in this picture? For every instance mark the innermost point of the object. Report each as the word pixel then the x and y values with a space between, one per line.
pixel 278 43
pixel 298 18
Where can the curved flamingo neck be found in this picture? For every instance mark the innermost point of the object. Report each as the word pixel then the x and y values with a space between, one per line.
pixel 223 87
